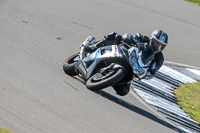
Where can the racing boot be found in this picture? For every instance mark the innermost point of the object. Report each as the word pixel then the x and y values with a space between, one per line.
pixel 122 89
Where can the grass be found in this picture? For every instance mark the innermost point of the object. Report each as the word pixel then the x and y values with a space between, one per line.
pixel 3 130
pixel 188 97
pixel 194 1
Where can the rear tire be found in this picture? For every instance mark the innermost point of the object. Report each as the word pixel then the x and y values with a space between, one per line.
pixel 110 79
pixel 69 64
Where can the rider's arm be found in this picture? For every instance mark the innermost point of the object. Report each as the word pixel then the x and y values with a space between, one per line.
pixel 138 40
pixel 155 65
pixel 111 39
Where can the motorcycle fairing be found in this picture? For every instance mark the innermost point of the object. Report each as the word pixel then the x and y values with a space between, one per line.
pixel 87 66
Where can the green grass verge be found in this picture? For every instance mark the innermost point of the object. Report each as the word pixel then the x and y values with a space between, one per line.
pixel 188 97
pixel 3 130
pixel 194 1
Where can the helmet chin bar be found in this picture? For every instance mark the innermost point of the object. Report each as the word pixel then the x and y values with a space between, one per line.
pixel 155 50
pixel 153 46
pixel 159 49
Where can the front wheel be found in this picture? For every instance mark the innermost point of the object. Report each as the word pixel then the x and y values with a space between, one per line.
pixel 100 81
pixel 69 63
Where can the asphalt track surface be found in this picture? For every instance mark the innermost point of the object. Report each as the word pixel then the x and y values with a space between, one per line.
pixel 37 35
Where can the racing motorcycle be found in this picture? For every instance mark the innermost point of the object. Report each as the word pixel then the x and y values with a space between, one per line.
pixel 112 65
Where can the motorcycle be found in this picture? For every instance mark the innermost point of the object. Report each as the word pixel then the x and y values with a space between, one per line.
pixel 112 65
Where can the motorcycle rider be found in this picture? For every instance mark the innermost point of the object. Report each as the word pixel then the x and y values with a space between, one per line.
pixel 157 42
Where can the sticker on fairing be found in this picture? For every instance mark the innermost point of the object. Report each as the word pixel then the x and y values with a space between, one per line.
pixel 115 49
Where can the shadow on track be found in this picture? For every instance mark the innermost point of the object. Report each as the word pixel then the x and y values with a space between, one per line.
pixel 135 109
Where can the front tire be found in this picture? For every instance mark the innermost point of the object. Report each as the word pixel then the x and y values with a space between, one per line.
pixel 69 64
pixel 99 81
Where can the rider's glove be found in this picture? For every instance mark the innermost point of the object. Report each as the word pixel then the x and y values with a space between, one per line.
pixel 139 37
pixel 145 39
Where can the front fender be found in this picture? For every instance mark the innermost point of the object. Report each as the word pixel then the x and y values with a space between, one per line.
pixel 128 72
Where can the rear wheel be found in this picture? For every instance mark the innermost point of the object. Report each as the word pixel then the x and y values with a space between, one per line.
pixel 99 81
pixel 69 63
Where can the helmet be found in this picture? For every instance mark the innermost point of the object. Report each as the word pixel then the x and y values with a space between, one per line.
pixel 158 40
